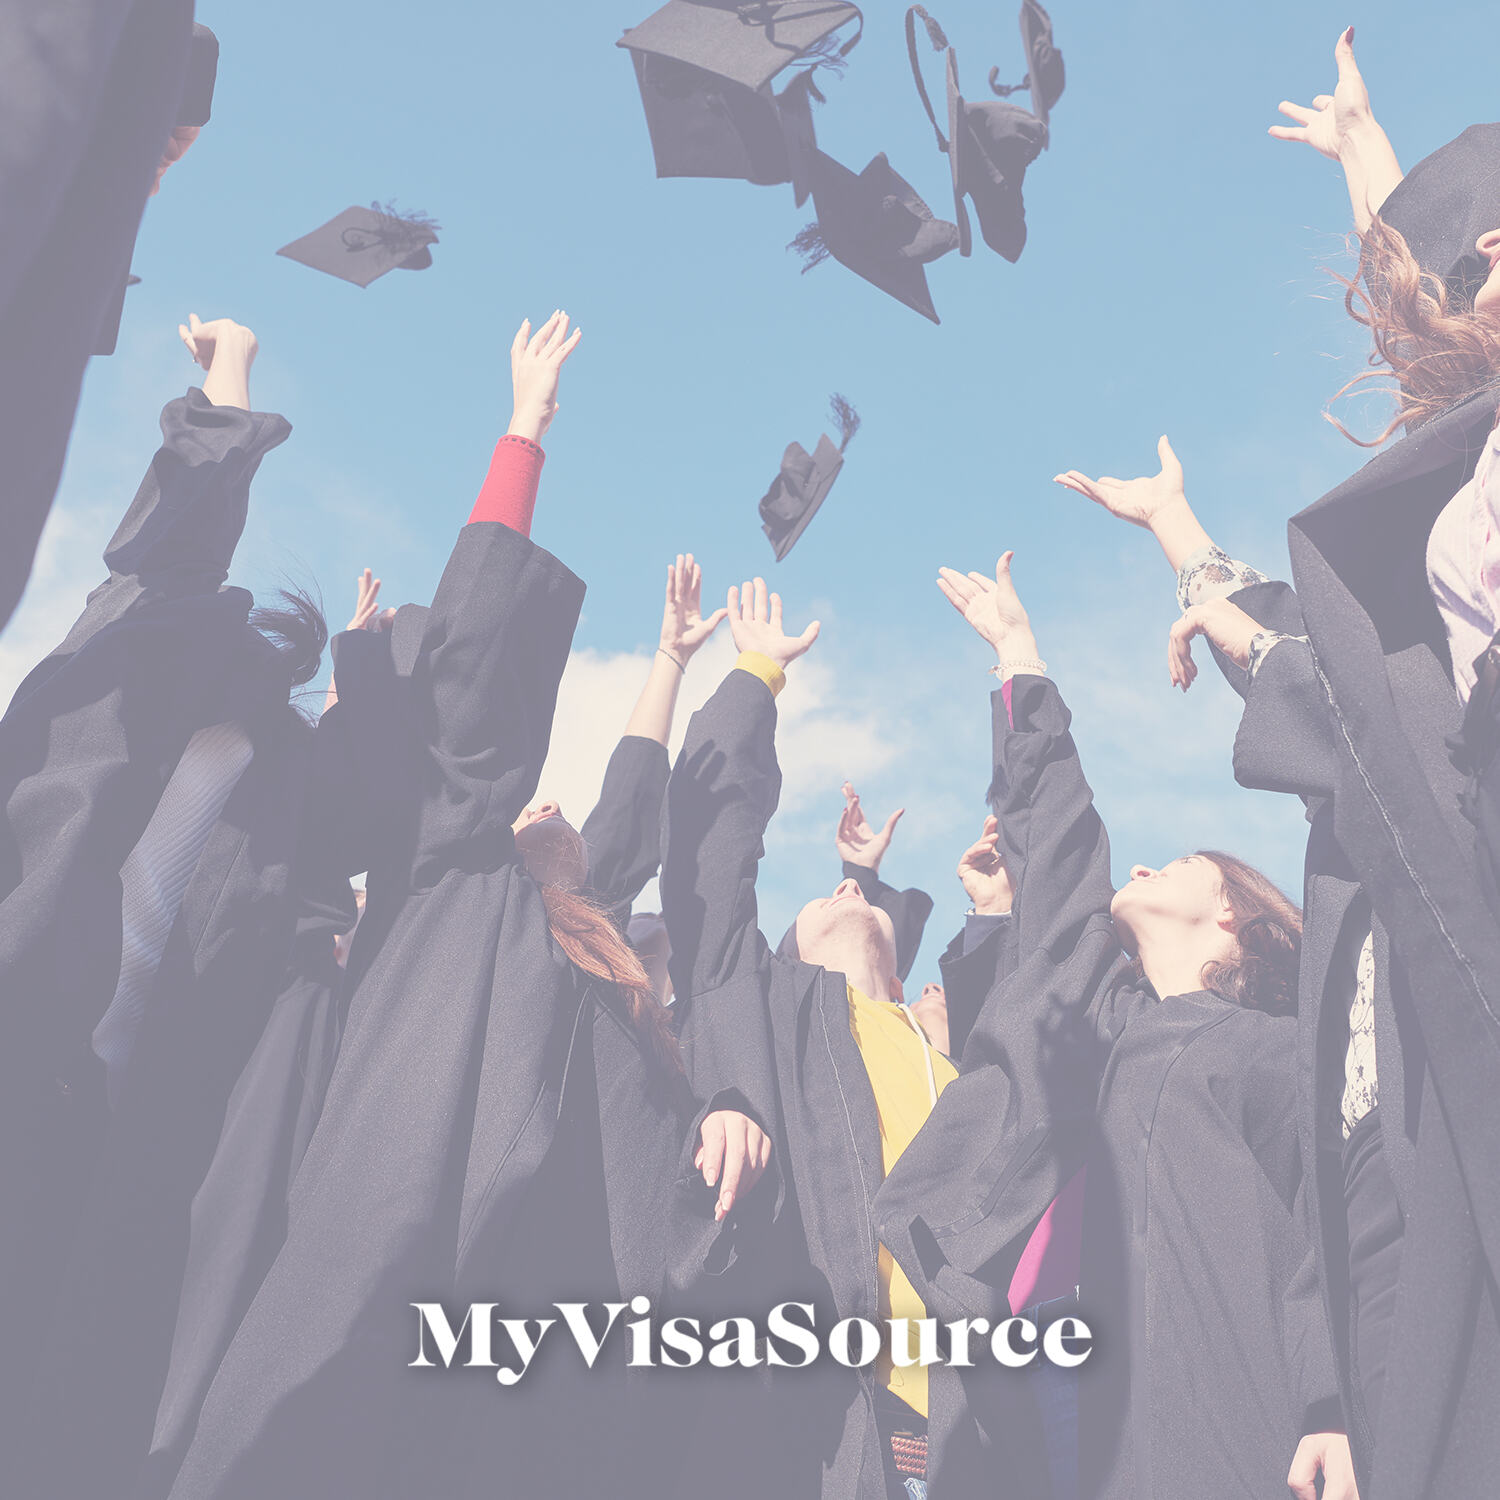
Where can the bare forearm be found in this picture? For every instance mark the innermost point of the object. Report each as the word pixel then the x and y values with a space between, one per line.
pixel 228 380
pixel 651 718
pixel 1371 171
pixel 1179 533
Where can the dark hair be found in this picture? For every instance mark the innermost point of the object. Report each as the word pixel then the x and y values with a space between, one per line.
pixel 1440 353
pixel 297 630
pixel 1268 932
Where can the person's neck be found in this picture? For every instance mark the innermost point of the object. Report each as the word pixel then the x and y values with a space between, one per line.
pixel 865 968
pixel 1174 965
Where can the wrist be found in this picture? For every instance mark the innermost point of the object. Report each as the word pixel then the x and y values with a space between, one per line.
pixel 528 422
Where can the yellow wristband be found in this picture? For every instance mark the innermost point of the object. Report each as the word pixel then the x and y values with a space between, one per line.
pixel 758 665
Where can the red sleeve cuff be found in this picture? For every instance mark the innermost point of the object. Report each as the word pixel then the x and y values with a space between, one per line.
pixel 509 492
pixel 1010 712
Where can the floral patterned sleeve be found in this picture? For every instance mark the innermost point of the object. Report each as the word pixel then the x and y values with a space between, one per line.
pixel 1212 574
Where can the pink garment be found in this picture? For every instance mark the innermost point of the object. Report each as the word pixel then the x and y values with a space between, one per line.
pixel 1049 1264
pixel 509 491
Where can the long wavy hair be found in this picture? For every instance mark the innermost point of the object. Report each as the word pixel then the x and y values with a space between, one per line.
pixel 586 933
pixel 1268 933
pixel 1439 353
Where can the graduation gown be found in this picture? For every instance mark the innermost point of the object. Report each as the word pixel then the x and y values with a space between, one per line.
pixel 777 1030
pixel 1443 1363
pixel 1359 568
pixel 89 93
pixel 450 1157
pixel 239 1212
pixel 87 745
pixel 623 832
pixel 1210 1355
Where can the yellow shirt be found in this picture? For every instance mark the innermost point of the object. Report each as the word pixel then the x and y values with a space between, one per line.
pixel 893 1057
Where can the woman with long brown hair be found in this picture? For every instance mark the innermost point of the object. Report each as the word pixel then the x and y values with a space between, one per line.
pixel 507 1122
pixel 1145 1033
pixel 1354 689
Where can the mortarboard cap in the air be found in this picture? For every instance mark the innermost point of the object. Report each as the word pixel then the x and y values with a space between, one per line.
pixel 202 73
pixel 989 144
pixel 747 42
pixel 1445 203
pixel 877 226
pixel 805 480
pixel 362 244
pixel 1044 65
pixel 704 69
pixel 701 125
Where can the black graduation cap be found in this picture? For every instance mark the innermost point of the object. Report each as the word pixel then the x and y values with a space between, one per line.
pixel 109 329
pixel 1044 64
pixel 1445 203
pixel 877 226
pixel 704 68
pixel 362 244
pixel 989 145
pixel 202 74
pixel 804 481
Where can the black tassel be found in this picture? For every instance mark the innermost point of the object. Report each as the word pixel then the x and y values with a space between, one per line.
pixel 845 418
pixel 824 53
pixel 809 245
pixel 1005 90
pixel 935 33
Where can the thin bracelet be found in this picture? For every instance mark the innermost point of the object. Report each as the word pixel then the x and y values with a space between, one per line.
pixel 1030 664
pixel 662 651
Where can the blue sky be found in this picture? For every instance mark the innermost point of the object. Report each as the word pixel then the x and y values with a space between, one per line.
pixel 1172 282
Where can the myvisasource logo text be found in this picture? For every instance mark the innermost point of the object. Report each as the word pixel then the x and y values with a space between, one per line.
pixel 788 1336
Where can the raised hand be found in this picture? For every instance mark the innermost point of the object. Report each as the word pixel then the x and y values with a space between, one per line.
pixel 1224 625
pixel 536 361
pixel 1139 501
pixel 983 872
pixel 857 843
pixel 225 349
pixel 205 341
pixel 992 607
pixel 1333 120
pixel 755 623
pixel 733 1151
pixel 683 628
pixel 368 614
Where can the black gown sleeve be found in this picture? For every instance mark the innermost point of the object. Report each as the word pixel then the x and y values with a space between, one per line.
pixel 1007 1135
pixel 908 911
pixel 177 538
pixel 722 793
pixel 484 691
pixel 623 832
pixel 970 978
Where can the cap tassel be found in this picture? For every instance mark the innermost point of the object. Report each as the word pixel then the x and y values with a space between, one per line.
pixel 403 234
pixel 935 33
pixel 810 246
pixel 845 418
pixel 1005 90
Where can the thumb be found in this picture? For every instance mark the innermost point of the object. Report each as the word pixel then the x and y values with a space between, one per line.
pixel 1343 55
pixel 890 822
pixel 809 635
pixel 1170 466
pixel 716 619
